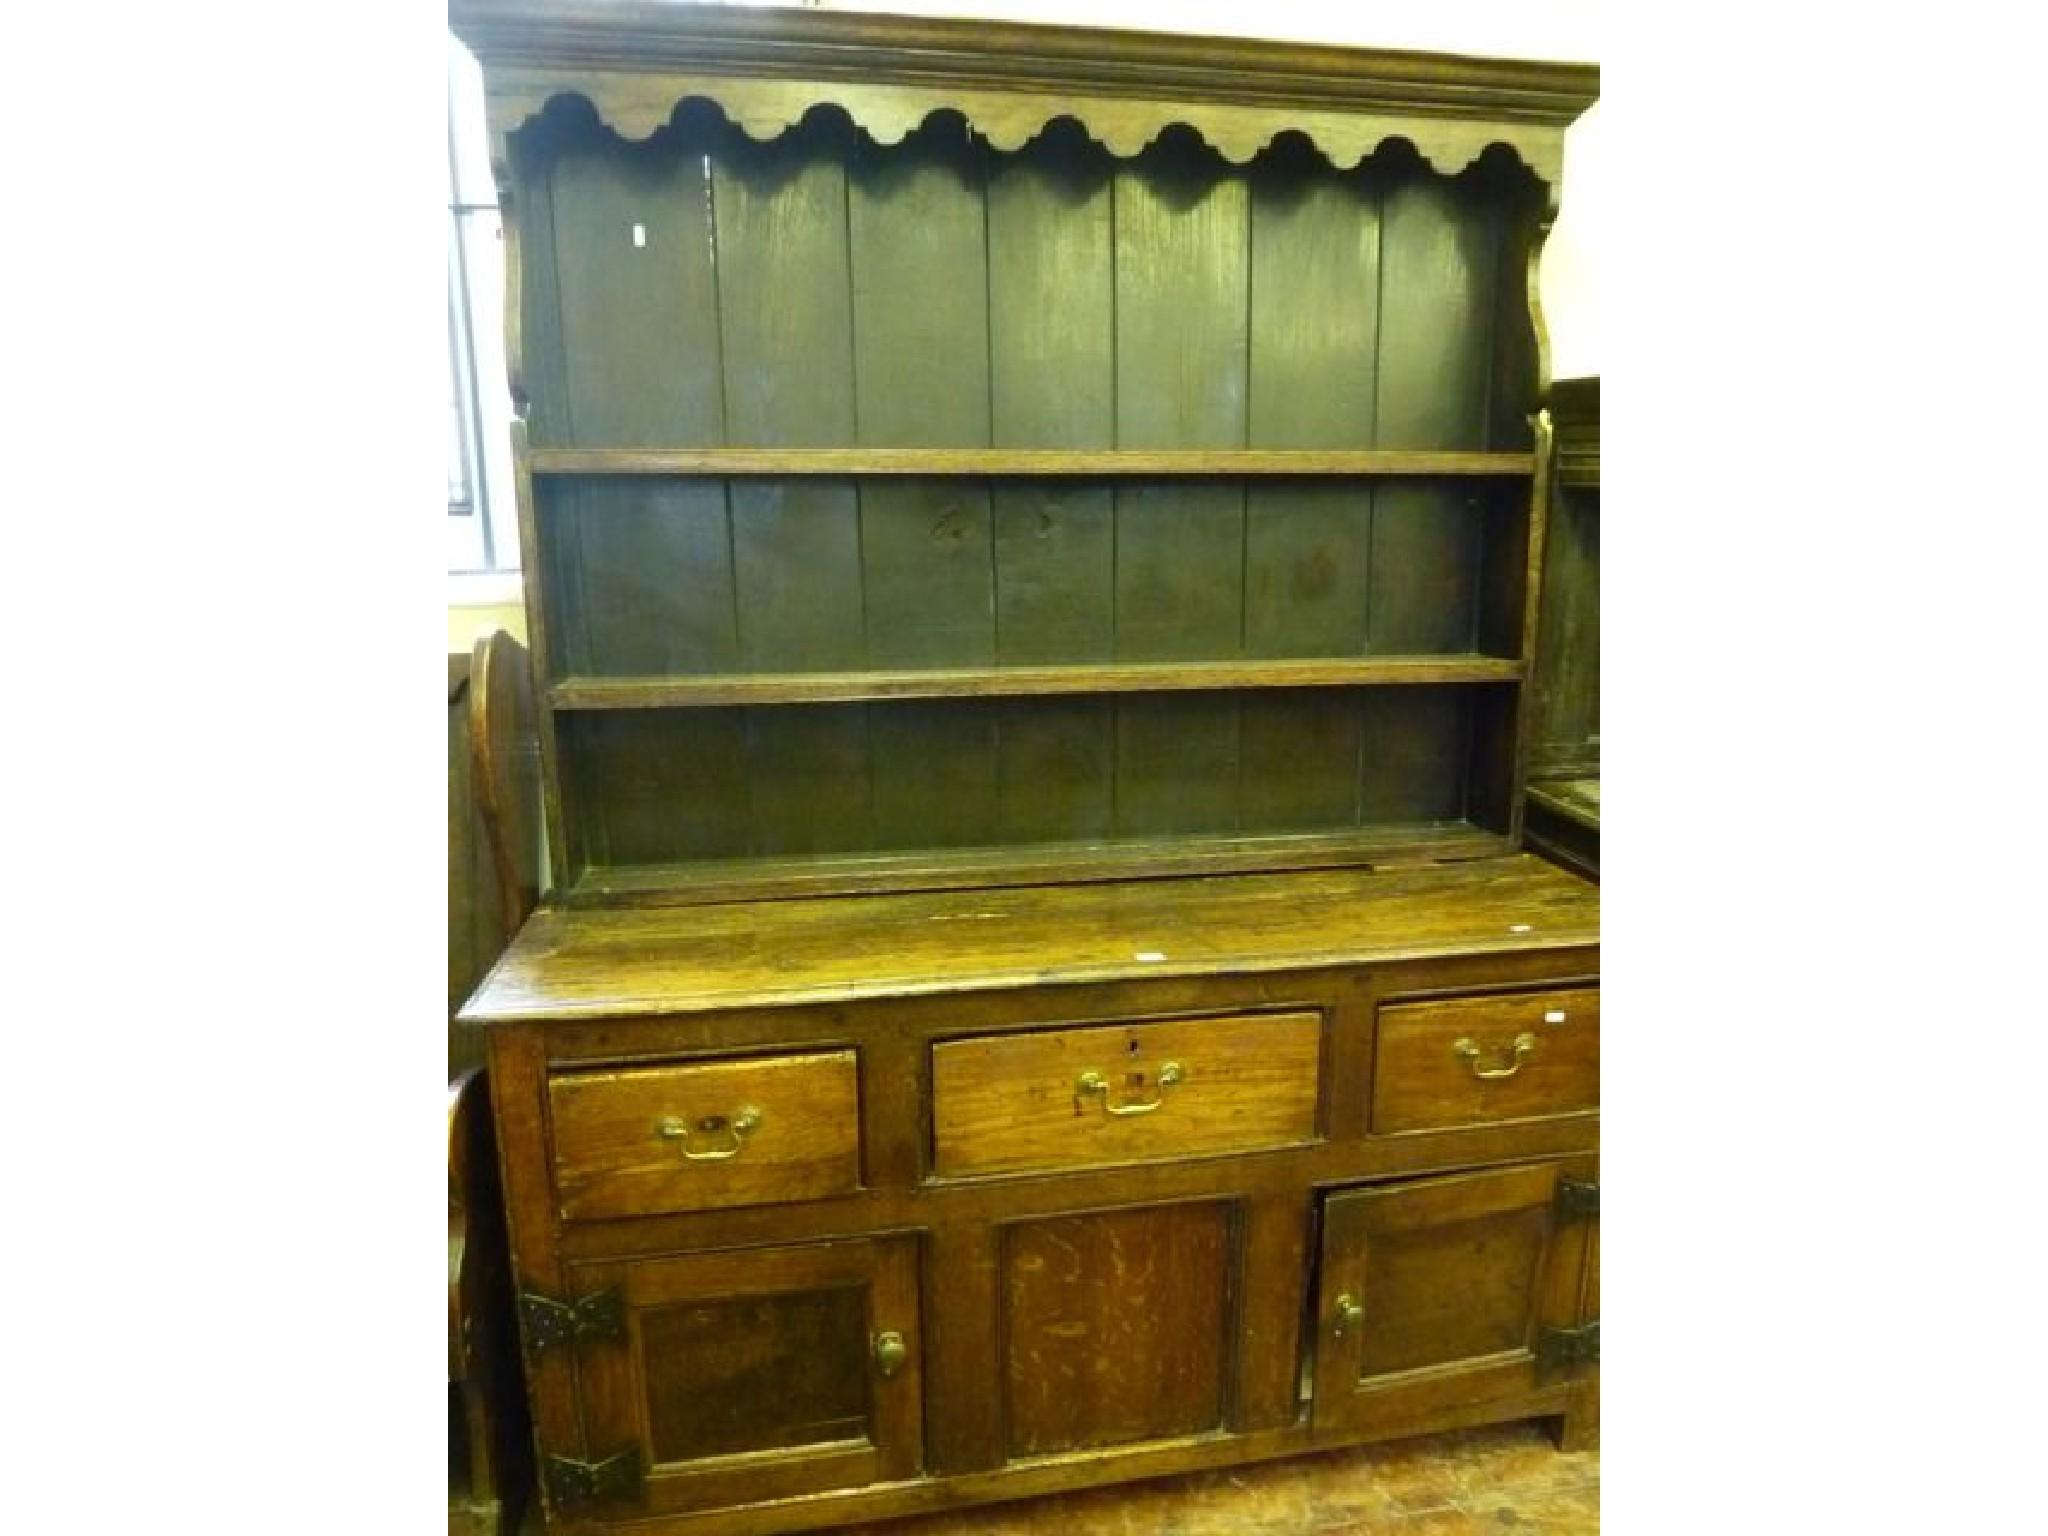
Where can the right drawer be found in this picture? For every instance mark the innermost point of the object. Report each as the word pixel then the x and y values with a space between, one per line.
pixel 1474 1060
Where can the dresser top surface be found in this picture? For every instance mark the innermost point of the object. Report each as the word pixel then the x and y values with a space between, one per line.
pixel 570 963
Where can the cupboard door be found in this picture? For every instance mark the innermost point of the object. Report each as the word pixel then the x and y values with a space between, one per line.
pixel 1437 1293
pixel 754 1375
pixel 1115 1327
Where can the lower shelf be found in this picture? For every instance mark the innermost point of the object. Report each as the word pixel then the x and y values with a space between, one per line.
pixel 715 880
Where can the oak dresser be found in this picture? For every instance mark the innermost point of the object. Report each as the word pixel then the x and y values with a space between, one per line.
pixel 1034 543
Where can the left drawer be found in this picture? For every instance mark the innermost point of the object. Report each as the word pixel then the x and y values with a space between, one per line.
pixel 702 1135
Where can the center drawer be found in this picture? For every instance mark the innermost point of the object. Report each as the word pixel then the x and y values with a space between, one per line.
pixel 702 1135
pixel 1124 1093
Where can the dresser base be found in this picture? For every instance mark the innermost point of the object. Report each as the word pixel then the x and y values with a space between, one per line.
pixel 1571 1413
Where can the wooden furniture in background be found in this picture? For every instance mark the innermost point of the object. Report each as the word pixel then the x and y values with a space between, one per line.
pixel 1564 757
pixel 1034 541
pixel 491 884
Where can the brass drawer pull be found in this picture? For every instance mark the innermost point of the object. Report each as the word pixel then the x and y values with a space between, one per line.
pixel 1095 1082
pixel 1520 1051
pixel 737 1127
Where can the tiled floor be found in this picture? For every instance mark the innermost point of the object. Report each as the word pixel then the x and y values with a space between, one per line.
pixel 1477 1482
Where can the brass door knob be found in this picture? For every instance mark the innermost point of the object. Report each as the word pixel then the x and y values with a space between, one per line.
pixel 1350 1314
pixel 891 1353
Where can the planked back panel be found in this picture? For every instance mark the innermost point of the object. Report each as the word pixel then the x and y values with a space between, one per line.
pixel 818 290
pixel 704 290
pixel 662 787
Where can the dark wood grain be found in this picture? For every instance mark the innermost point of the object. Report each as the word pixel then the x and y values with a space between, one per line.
pixel 1182 263
pixel 785 303
pixel 920 257
pixel 570 963
pixel 643 582
pixel 1377 845
pixel 638 295
pixel 1421 1080
pixel 1003 1103
pixel 1113 1327
pixel 612 1157
pixel 1051 296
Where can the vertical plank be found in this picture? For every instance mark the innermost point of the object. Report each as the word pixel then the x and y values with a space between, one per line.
pixel 654 588
pixel 663 786
pixel 1423 591
pixel 962 1323
pixel 518 1079
pixel 540 363
pixel 639 305
pixel 1315 302
pixel 1300 760
pixel 1052 340
pixel 796 566
pixel 1179 571
pixel 919 251
pixel 1176 763
pixel 1182 296
pixel 1438 253
pixel 1308 559
pixel 1315 314
pixel 1055 561
pixel 1414 754
pixel 564 639
pixel 784 293
pixel 1052 294
pixel 926 573
pixel 562 854
pixel 808 774
pixel 934 768
pixel 1565 679
pixel 1055 764
pixel 1517 209
pixel 1268 1337
pixel 894 1094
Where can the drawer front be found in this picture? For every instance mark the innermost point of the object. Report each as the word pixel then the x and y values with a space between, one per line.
pixel 707 1134
pixel 1124 1093
pixel 1472 1060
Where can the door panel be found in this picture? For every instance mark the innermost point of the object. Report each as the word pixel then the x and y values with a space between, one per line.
pixel 1435 1293
pixel 1114 1326
pixel 759 1374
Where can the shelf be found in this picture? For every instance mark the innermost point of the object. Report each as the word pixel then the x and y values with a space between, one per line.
pixel 996 462
pixel 1022 682
pixel 967 868
pixel 1576 800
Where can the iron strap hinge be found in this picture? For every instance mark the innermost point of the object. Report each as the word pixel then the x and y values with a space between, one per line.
pixel 550 1322
pixel 571 1482
pixel 1568 1346
pixel 1578 1200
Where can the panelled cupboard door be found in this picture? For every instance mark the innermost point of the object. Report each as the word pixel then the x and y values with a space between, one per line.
pixel 1435 1293
pixel 757 1374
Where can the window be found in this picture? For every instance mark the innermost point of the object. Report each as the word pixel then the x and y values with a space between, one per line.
pixel 482 520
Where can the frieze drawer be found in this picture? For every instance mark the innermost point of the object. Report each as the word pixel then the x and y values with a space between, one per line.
pixel 1474 1060
pixel 1124 1093
pixel 702 1135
